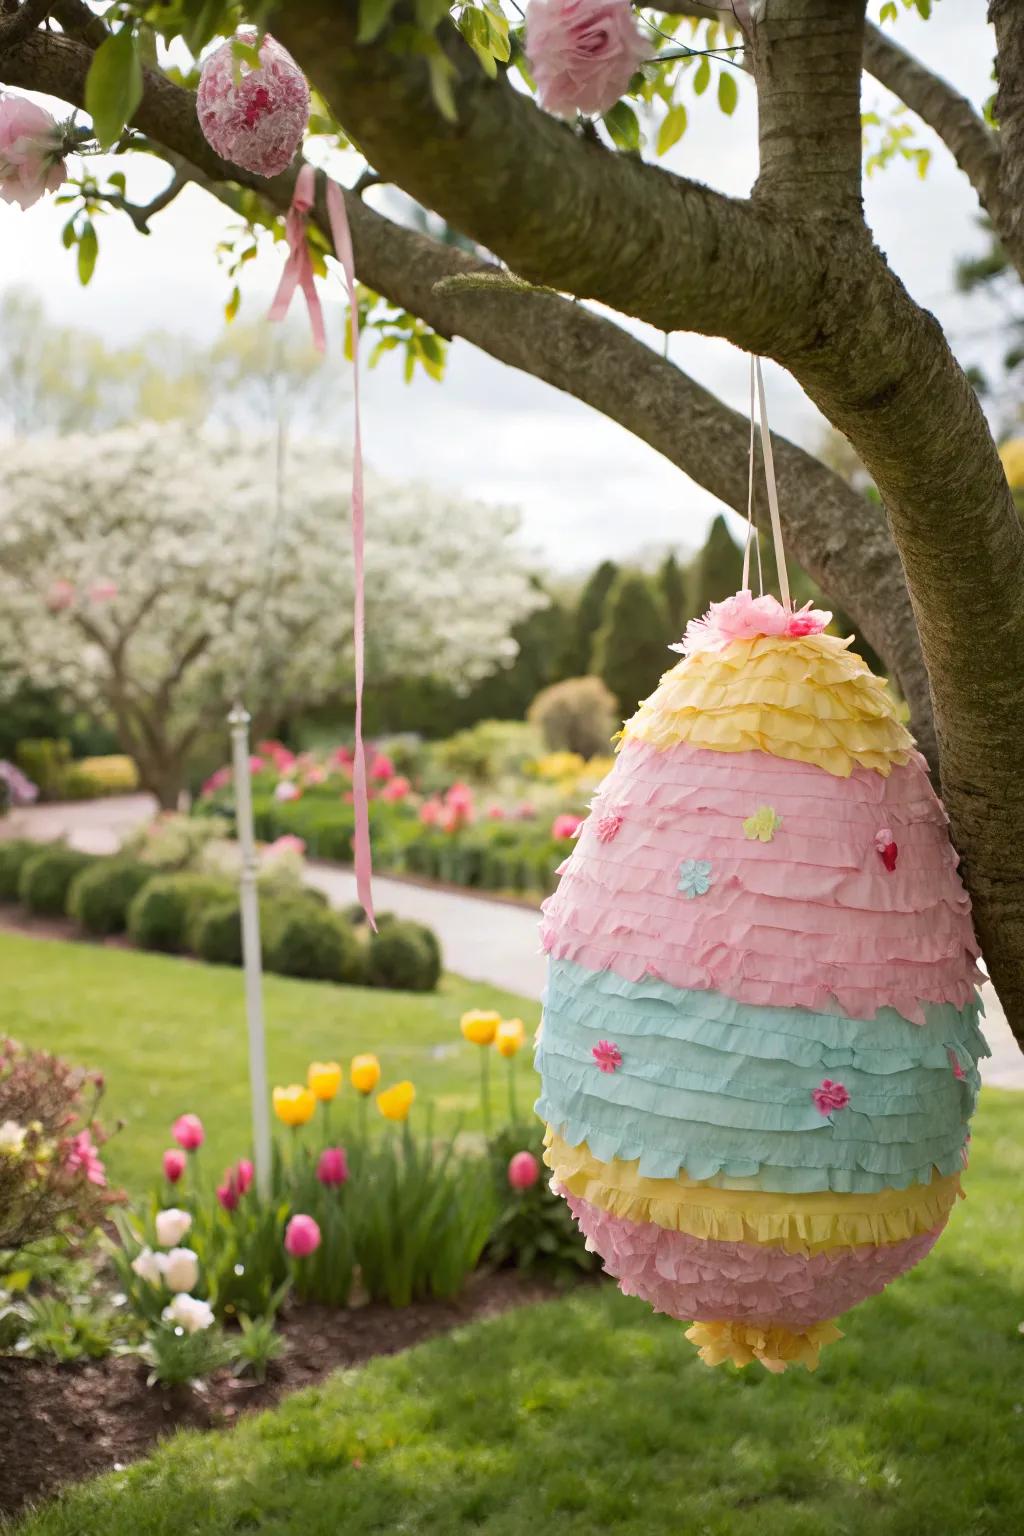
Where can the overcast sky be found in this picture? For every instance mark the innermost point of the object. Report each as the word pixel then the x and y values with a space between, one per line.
pixel 585 487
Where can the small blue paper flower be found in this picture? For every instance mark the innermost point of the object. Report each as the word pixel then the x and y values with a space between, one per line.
pixel 695 878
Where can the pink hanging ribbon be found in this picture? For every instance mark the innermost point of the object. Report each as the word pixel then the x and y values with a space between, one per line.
pixel 298 272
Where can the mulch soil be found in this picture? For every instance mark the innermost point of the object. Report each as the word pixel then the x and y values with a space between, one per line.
pixel 62 1423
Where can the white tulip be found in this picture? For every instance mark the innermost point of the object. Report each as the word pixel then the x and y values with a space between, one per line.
pixel 189 1313
pixel 171 1226
pixel 148 1266
pixel 180 1269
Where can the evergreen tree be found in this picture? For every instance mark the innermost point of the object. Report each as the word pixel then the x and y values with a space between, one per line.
pixel 673 594
pixel 579 652
pixel 716 571
pixel 630 652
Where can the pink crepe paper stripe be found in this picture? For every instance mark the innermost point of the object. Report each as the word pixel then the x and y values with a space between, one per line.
pixel 298 272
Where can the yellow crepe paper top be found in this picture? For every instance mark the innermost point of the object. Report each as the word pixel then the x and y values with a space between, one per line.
pixel 808 699
pixel 805 1224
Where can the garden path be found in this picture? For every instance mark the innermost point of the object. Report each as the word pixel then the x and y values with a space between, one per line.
pixel 483 939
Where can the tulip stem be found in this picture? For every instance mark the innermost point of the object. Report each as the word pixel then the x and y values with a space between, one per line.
pixel 512 1108
pixel 485 1087
pixel 364 1099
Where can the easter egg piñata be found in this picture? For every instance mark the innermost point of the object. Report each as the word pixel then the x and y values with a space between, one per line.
pixel 760 1039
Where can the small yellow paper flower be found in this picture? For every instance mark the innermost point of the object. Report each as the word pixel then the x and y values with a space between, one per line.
pixel 395 1102
pixel 294 1105
pixel 324 1079
pixel 763 825
pixel 364 1073
pixel 510 1037
pixel 480 1026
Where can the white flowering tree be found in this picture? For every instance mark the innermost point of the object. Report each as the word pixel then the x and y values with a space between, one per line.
pixel 157 574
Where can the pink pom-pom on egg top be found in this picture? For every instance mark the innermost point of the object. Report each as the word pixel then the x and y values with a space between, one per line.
pixel 253 117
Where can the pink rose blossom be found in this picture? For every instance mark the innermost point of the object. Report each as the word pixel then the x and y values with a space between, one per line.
pixel 301 1237
pixel 62 593
pixel 583 53
pixel 830 1096
pixel 565 826
pixel 30 162
pixel 82 1156
pixel 332 1169
pixel 608 826
pixel 253 117
pixel 397 790
pixel 188 1132
pixel 523 1170
pixel 174 1164
pixel 607 1055
pixel 744 617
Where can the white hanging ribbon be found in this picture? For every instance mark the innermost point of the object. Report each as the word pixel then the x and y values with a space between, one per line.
pixel 752 534
pixel 773 495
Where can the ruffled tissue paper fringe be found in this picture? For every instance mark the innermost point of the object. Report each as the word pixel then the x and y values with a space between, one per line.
pixel 774 1348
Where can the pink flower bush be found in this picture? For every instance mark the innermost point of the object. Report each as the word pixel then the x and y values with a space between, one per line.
pixel 301 1237
pixel 525 811
pixel 582 53
pixel 254 117
pixel 382 768
pixel 277 753
pixel 431 812
pixel 30 158
pixel 744 617
pixel 566 825
pixel 81 1155
pixel 332 1169
pixel 285 844
pixel 174 1164
pixel 607 1055
pixel 396 790
pixel 830 1096
pixel 217 780
pixel 286 791
pixel 495 813
pixel 523 1170
pixel 188 1132
pixel 256 763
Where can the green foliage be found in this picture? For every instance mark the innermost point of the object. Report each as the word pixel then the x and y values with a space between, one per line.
pixel 46 878
pixel 113 86
pixel 716 571
pixel 894 139
pixel 534 1229
pixel 257 1346
pixel 50 1327
pixel 577 715
pixel 99 896
pixel 219 934
pixel 399 330
pixel 45 760
pixel 166 913
pixel 486 752
pixel 629 652
pixel 403 956
pixel 14 855
pixel 672 583
pixel 177 1359
pixel 579 654
pixel 317 945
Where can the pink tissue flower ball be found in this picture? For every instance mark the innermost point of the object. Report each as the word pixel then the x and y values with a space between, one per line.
pixel 332 1169
pixel 523 1170
pixel 582 53
pixel 253 117
pixel 30 162
pixel 301 1237
pixel 188 1132
pixel 174 1164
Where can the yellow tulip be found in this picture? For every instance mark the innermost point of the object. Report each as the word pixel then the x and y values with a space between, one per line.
pixel 480 1026
pixel 295 1105
pixel 510 1037
pixel 395 1102
pixel 364 1073
pixel 324 1079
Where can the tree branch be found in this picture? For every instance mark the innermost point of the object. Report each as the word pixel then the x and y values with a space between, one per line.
pixel 1006 17
pixel 26 18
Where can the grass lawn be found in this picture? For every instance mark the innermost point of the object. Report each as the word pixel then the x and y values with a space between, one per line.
pixel 589 1416
pixel 170 1036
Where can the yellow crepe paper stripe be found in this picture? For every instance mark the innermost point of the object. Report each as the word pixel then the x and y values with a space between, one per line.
pixel 808 699
pixel 805 1224
pixel 775 1347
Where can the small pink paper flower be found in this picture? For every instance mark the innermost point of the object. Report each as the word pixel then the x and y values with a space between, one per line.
pixel 30 159
pixel 608 826
pixel 523 1170
pixel 830 1096
pixel 188 1132
pixel 174 1164
pixel 887 848
pixel 954 1061
pixel 332 1169
pixel 565 826
pixel 301 1237
pixel 582 53
pixel 607 1055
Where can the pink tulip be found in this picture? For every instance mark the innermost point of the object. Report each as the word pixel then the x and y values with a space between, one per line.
pixel 332 1168
pixel 301 1237
pixel 244 1173
pixel 188 1132
pixel 174 1164
pixel 583 53
pixel 236 1181
pixel 30 161
pixel 523 1171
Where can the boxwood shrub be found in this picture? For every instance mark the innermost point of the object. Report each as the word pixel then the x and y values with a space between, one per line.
pixel 301 939
pixel 166 913
pixel 14 854
pixel 46 878
pixel 404 956
pixel 99 897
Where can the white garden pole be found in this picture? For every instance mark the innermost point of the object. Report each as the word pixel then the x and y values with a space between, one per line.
pixel 238 720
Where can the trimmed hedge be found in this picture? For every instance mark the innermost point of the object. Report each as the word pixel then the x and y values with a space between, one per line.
pixel 219 934
pixel 166 913
pixel 14 855
pixel 303 940
pixel 403 956
pixel 46 879
pixel 99 897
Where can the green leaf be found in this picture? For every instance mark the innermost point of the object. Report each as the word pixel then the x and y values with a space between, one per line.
pixel 88 250
pixel 888 12
pixel 69 234
pixel 231 307
pixel 442 72
pixel 673 126
pixel 113 86
pixel 374 16
pixel 702 78
pixel 117 179
pixel 623 125
pixel 728 92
